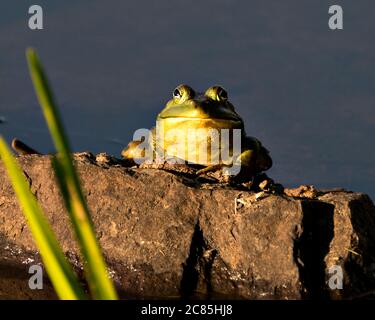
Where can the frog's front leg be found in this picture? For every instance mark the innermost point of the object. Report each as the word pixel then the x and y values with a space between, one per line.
pixel 141 150
pixel 133 151
pixel 253 160
pixel 246 159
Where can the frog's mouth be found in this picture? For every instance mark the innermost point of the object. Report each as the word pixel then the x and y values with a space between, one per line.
pixel 203 118
pixel 200 113
pixel 197 123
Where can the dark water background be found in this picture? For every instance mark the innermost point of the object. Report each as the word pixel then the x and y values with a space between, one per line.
pixel 305 91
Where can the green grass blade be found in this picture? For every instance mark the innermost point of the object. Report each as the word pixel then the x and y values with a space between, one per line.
pixel 100 285
pixel 58 268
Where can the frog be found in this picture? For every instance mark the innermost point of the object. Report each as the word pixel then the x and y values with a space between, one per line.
pixel 209 110
pixel 202 113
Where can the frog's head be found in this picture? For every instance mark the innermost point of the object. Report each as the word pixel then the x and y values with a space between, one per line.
pixel 209 109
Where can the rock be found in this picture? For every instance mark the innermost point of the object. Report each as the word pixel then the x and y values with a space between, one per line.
pixel 170 234
pixel 303 191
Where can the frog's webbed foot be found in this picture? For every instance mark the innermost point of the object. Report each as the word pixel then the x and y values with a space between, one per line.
pixel 22 148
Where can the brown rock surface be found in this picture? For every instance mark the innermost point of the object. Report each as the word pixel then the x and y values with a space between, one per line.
pixel 168 235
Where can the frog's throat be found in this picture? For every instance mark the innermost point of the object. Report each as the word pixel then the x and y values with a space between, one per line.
pixel 201 143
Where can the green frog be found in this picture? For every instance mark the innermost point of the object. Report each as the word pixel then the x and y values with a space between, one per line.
pixel 195 129
pixel 202 117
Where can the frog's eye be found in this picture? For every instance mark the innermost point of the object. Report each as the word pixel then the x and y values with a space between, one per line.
pixel 217 93
pixel 183 92
pixel 177 93
pixel 222 94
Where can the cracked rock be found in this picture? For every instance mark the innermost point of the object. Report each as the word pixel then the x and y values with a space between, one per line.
pixel 167 235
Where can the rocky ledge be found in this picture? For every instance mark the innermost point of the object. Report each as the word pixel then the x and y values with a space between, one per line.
pixel 169 234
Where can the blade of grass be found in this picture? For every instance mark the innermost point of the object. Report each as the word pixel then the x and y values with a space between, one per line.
pixel 58 268
pixel 100 285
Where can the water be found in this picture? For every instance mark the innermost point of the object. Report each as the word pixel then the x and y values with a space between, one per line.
pixel 306 92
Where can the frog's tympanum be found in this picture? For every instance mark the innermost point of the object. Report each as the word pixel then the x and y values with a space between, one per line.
pixel 202 129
